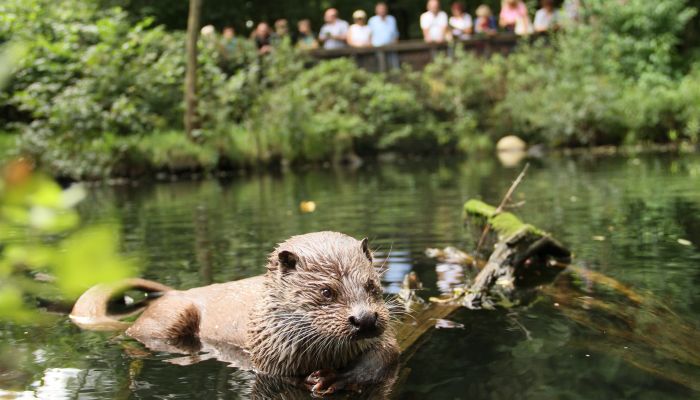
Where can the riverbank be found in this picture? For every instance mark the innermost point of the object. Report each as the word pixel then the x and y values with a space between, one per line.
pixel 113 105
pixel 185 165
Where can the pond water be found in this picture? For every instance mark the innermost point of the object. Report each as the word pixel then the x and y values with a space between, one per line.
pixel 621 216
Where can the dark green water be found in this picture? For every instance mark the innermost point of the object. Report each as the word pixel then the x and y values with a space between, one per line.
pixel 193 233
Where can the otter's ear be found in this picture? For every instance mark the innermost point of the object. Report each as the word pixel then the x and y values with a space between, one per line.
pixel 365 249
pixel 287 261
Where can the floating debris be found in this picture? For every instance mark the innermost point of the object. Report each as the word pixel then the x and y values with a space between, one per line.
pixel 307 206
pixel 447 324
pixel 506 282
pixel 450 255
pixel 599 238
pixel 407 294
pixel 685 242
pixel 441 300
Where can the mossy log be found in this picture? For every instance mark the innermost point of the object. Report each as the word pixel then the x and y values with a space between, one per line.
pixel 639 329
pixel 524 256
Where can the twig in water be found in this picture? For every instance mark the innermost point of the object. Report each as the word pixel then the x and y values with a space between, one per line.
pixel 514 319
pixel 500 207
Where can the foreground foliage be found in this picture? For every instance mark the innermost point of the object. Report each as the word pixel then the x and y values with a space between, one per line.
pixel 93 95
pixel 42 241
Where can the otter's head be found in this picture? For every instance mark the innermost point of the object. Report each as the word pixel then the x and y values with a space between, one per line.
pixel 326 280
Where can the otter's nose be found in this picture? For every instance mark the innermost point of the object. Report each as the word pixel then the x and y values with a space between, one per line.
pixel 364 322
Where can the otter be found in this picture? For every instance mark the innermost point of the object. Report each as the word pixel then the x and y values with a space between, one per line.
pixel 318 313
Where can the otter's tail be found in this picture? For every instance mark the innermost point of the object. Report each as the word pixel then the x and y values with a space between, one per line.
pixel 90 311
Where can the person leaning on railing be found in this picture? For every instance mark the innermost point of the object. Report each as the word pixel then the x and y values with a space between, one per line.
pixel 434 23
pixel 281 32
pixel 514 17
pixel 383 26
pixel 334 32
pixel 359 33
pixel 547 18
pixel 305 40
pixel 485 22
pixel 384 33
pixel 262 36
pixel 460 22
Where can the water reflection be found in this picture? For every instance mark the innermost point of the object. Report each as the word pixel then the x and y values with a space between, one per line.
pixel 396 264
pixel 192 233
pixel 449 277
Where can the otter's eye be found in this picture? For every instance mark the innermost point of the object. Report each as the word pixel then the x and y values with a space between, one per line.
pixel 372 288
pixel 327 293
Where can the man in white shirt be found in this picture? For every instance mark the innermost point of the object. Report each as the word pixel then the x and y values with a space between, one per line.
pixel 383 26
pixel 434 23
pixel 334 31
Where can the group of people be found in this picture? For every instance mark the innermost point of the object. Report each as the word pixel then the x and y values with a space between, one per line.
pixel 435 24
pixel 514 17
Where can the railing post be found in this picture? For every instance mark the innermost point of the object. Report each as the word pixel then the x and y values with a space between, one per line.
pixel 381 60
pixel 418 53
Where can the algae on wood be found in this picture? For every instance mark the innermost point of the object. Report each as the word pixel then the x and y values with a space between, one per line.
pixel 505 223
pixel 523 256
pixel 638 328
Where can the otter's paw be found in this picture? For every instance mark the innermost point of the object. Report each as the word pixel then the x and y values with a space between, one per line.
pixel 325 382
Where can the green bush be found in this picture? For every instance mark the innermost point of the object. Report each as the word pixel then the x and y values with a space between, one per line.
pixel 611 81
pixel 689 98
pixel 96 95
pixel 175 152
pixel 335 109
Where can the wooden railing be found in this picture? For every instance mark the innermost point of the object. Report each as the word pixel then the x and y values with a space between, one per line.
pixel 417 53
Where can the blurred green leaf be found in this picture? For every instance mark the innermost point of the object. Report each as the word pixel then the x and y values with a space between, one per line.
pixel 12 306
pixel 88 257
pixel 40 233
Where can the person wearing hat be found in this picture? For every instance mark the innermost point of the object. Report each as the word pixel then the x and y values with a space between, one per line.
pixel 359 34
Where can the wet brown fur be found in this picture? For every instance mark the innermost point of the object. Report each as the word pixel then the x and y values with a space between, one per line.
pixel 184 332
pixel 316 331
pixel 281 318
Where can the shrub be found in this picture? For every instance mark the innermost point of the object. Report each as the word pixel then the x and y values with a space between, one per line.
pixel 607 82
pixel 96 95
pixel 175 152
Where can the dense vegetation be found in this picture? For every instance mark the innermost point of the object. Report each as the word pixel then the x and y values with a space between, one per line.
pixel 95 94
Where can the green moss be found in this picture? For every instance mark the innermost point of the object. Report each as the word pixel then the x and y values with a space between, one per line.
pixel 478 208
pixel 505 223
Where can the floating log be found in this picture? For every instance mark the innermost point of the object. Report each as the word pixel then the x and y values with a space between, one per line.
pixel 524 256
pixel 638 328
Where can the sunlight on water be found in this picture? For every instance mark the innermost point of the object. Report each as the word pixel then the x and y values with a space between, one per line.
pixel 636 220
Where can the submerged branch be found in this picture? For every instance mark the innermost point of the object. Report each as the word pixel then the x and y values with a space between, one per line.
pixel 501 206
pixel 638 328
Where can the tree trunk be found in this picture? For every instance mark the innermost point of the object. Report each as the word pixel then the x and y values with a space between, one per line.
pixel 191 122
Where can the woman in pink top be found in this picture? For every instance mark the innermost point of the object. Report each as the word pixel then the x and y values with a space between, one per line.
pixel 513 12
